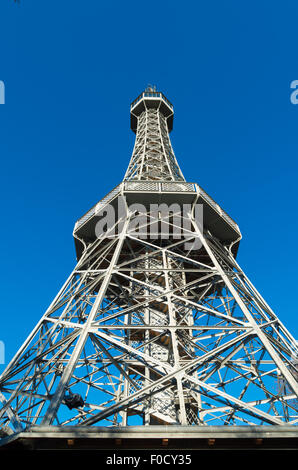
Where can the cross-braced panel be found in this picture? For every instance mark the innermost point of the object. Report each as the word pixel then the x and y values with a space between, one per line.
pixel 149 332
pixel 153 156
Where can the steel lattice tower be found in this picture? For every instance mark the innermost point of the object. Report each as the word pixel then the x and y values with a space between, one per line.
pixel 159 329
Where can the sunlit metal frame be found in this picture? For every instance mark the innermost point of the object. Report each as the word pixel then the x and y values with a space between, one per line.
pixel 149 332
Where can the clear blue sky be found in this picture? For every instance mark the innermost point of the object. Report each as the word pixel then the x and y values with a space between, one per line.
pixel 71 69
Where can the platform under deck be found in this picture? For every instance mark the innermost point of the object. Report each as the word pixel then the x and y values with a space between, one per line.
pixel 170 438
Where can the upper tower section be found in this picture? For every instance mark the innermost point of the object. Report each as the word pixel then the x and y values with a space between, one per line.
pixel 154 177
pixel 153 159
pixel 151 99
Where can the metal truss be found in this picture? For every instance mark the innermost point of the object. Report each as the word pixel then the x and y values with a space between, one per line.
pixel 153 157
pixel 154 330
pixel 143 330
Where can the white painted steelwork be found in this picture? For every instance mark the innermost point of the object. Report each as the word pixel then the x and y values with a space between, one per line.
pixel 154 330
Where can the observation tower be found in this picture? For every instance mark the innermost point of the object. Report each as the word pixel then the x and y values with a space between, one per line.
pixel 157 333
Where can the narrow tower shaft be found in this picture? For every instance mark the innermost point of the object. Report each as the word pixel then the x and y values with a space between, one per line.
pixel 153 159
pixel 153 156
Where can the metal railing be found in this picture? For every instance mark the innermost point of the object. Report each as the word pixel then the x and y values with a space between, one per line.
pixel 151 94
pixel 94 209
pixel 168 186
pixel 222 213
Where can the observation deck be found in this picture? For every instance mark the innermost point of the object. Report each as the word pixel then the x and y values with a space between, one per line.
pixel 151 99
pixel 215 218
